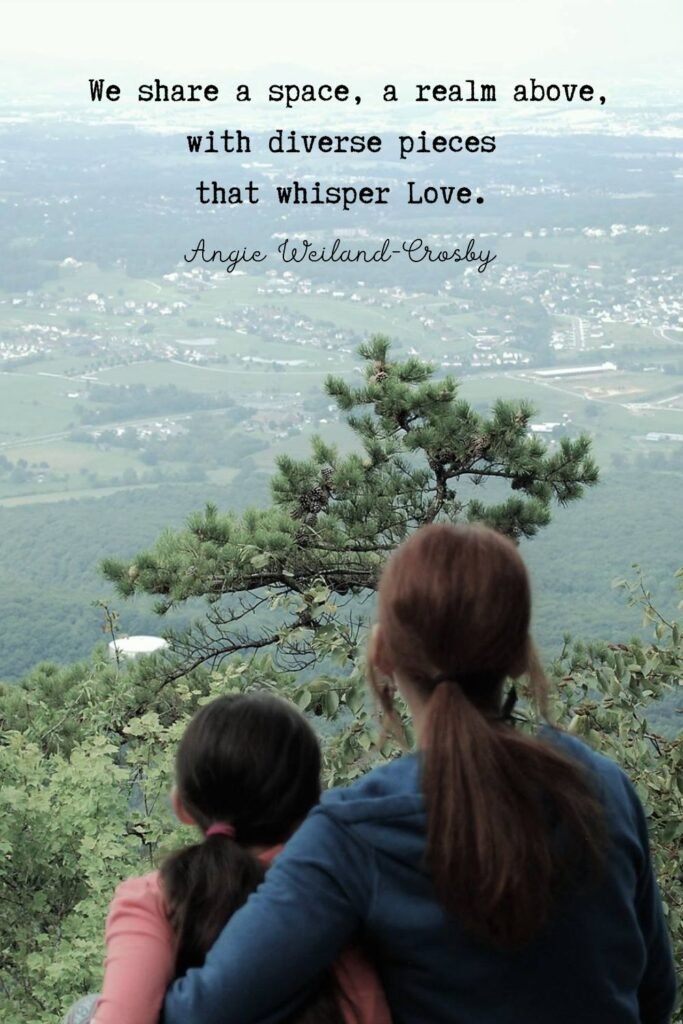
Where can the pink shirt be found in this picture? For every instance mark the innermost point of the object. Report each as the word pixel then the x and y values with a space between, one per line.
pixel 140 954
pixel 140 960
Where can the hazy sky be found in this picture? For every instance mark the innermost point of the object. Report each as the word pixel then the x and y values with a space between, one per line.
pixel 616 38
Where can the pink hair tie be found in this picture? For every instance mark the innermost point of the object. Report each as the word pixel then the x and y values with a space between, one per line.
pixel 220 829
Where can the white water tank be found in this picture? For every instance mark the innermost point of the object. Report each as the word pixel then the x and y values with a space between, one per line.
pixel 135 646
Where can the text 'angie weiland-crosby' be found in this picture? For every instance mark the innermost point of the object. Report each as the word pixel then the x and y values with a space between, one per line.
pixel 302 250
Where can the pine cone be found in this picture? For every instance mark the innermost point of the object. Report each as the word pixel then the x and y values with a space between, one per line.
pixel 480 446
pixel 316 500
pixel 302 536
pixel 380 374
pixel 311 503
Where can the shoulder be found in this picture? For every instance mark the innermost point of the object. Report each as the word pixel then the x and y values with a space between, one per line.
pixel 615 787
pixel 391 790
pixel 145 887
pixel 579 750
pixel 142 896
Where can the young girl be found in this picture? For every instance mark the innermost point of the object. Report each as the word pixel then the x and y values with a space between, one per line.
pixel 500 877
pixel 247 774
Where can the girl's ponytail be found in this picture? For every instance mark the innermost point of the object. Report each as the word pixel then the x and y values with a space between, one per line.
pixel 204 885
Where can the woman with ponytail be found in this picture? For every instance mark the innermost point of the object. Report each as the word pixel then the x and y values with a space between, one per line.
pixel 247 774
pixel 452 639
pixel 496 878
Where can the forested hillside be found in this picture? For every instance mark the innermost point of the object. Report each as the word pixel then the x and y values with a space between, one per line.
pixel 50 554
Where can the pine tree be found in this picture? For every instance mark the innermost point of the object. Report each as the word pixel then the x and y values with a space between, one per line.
pixel 423 455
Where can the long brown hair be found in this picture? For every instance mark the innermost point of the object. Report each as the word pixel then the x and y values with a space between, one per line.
pixel 251 761
pixel 511 819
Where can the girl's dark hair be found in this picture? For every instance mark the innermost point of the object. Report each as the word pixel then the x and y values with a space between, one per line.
pixel 251 761
pixel 511 819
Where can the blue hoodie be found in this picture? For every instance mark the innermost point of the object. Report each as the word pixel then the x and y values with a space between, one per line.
pixel 354 867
